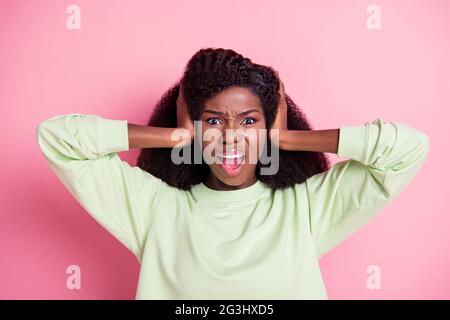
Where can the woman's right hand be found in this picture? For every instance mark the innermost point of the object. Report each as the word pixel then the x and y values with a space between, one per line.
pixel 279 126
pixel 143 136
pixel 183 119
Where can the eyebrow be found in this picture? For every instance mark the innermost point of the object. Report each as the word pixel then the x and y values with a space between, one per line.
pixel 239 114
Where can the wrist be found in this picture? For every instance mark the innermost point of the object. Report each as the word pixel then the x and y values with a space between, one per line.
pixel 279 138
pixel 179 137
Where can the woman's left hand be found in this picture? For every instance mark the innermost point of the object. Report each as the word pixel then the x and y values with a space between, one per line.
pixel 279 126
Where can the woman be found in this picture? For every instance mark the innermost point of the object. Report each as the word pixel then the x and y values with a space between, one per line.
pixel 224 229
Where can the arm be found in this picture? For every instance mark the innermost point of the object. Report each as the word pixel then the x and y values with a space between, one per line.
pixel 141 136
pixel 383 159
pixel 310 140
pixel 82 151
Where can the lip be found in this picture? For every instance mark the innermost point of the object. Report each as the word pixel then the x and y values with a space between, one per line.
pixel 230 153
pixel 231 171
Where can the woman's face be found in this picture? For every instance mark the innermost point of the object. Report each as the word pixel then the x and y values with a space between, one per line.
pixel 234 154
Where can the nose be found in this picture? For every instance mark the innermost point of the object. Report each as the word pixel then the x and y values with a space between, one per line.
pixel 232 137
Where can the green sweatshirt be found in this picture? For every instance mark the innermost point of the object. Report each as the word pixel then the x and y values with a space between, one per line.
pixel 251 243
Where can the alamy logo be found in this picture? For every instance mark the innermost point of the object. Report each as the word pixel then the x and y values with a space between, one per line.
pixel 374 280
pixel 373 21
pixel 73 281
pixel 73 21
pixel 250 147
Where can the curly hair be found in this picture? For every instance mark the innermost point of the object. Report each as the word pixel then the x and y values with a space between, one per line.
pixel 209 71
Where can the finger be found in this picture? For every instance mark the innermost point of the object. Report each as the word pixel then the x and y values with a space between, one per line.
pixel 279 80
pixel 278 74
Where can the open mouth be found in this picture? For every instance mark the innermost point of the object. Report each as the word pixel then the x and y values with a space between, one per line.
pixel 231 163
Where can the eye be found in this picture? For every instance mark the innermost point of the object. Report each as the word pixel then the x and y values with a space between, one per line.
pixel 213 121
pixel 248 121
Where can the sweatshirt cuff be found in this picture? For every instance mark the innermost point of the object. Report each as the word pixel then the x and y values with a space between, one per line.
pixel 113 135
pixel 353 142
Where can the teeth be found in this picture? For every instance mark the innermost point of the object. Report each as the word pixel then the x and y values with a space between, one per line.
pixel 229 158
pixel 232 156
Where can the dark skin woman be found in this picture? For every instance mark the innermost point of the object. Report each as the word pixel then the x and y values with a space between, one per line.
pixel 232 228
pixel 233 104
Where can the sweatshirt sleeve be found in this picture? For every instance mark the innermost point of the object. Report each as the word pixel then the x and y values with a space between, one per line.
pixel 383 157
pixel 82 149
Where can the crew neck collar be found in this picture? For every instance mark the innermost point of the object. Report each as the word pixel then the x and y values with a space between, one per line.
pixel 246 193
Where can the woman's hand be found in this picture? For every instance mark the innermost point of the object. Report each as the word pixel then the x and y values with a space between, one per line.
pixel 183 119
pixel 279 126
pixel 143 136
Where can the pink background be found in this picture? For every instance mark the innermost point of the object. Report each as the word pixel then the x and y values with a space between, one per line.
pixel 128 53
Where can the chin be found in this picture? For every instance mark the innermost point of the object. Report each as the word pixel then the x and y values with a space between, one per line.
pixel 232 180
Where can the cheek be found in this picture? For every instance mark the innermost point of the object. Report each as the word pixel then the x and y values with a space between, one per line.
pixel 255 144
pixel 211 138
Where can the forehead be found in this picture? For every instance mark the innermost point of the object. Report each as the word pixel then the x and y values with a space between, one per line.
pixel 234 99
